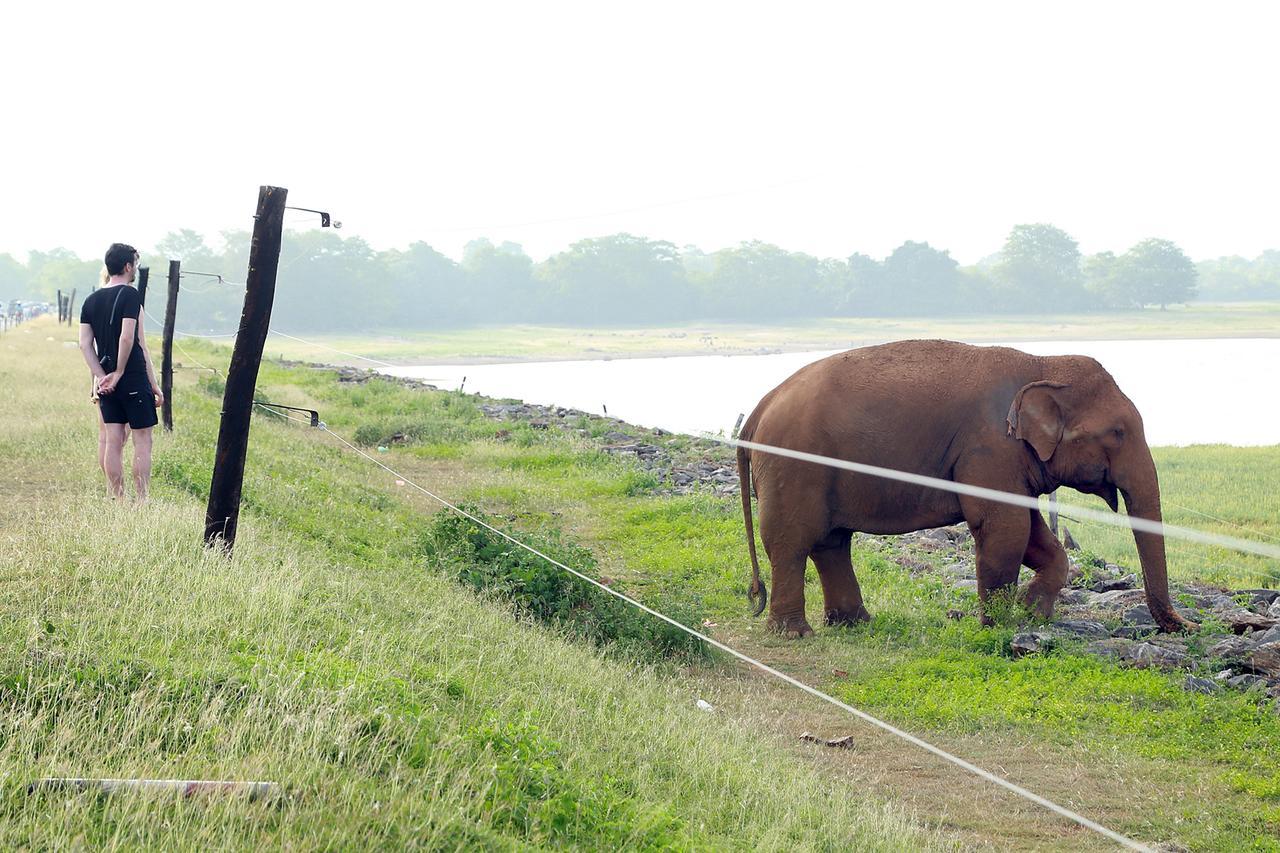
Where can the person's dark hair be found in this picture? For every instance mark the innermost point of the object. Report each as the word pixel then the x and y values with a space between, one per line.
pixel 118 256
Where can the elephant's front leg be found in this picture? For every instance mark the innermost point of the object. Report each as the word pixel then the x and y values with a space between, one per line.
pixel 1046 556
pixel 1000 535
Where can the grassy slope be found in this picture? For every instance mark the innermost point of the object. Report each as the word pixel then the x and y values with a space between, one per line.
pixel 397 709
pixel 528 342
pixel 1109 740
pixel 1128 748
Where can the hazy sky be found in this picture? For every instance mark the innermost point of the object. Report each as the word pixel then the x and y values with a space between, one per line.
pixel 822 129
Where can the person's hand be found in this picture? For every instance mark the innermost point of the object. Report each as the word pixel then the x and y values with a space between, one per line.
pixel 108 383
pixel 159 395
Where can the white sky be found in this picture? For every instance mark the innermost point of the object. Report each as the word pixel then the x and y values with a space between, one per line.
pixel 820 129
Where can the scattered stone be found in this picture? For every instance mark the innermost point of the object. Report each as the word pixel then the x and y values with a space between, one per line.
pixel 1030 643
pixel 1110 585
pixel 1119 598
pixel 1192 684
pixel 1242 620
pixel 840 673
pixel 1247 681
pixel 1272 635
pixel 1081 628
pixel 1262 596
pixel 956 614
pixel 1134 632
pixel 1231 649
pixel 1274 610
pixel 1139 616
pixel 704 705
pixel 1071 596
pixel 1148 655
pixel 1114 647
pixel 1265 660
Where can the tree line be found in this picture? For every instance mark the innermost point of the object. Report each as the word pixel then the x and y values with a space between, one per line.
pixel 329 283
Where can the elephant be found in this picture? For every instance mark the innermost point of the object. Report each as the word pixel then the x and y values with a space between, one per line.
pixel 988 416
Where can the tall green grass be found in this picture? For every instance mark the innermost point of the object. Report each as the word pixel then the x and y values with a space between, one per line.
pixel 397 708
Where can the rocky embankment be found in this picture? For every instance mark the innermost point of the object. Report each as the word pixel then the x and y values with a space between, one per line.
pixel 1101 612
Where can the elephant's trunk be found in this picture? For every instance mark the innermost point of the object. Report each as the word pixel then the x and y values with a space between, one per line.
pixel 1142 500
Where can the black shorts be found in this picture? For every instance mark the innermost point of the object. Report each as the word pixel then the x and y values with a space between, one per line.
pixel 130 403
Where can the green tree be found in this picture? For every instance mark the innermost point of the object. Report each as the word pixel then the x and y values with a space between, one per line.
pixel 502 282
pixel 620 278
pixel 1159 273
pixel 1039 270
pixel 1104 283
pixel 917 279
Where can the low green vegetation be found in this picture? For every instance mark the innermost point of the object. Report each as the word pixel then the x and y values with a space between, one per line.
pixel 374 653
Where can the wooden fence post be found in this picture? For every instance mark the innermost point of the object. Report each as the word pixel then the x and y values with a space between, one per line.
pixel 71 307
pixel 61 314
pixel 144 273
pixel 1053 511
pixel 223 513
pixel 166 346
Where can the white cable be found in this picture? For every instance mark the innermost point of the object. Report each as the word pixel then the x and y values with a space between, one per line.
pixel 813 691
pixel 1127 521
pixel 332 349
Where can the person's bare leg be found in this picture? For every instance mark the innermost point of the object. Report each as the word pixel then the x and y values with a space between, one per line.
pixel 112 463
pixel 142 463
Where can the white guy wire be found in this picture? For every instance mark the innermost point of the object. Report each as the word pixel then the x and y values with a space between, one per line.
pixel 1145 525
pixel 332 349
pixel 813 691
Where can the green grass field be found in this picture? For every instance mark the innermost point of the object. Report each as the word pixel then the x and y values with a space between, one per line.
pixel 543 343
pixel 337 653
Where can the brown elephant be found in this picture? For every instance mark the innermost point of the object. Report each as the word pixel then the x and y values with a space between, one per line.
pixel 986 416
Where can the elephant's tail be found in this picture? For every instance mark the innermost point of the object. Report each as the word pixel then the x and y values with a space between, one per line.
pixel 757 593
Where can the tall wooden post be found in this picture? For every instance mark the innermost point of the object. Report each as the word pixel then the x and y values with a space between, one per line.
pixel 71 307
pixel 1053 512
pixel 166 346
pixel 144 273
pixel 62 315
pixel 223 513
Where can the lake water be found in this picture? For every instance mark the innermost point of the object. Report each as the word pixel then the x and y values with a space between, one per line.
pixel 1188 391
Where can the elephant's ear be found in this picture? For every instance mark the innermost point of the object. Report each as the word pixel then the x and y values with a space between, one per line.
pixel 1036 418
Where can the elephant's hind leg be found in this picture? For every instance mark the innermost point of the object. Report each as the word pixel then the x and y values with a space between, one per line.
pixel 841 595
pixel 1046 556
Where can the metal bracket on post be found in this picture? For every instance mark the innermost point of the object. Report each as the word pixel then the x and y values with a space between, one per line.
pixel 325 220
pixel 315 416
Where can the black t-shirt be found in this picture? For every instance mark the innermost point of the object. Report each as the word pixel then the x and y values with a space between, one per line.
pixel 105 310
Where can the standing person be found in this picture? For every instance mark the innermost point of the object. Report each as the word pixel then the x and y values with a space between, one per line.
pixel 115 351
pixel 103 278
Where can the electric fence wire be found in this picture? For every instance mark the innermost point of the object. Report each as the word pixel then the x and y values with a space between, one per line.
pixel 747 659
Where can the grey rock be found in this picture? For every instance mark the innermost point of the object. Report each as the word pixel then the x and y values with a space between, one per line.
pixel 1241 620
pixel 1271 635
pixel 1265 660
pixel 1075 596
pixel 1192 684
pixel 1231 649
pixel 1112 584
pixel 1110 648
pixel 1134 632
pixel 1080 628
pixel 1274 610
pixel 1149 655
pixel 1246 681
pixel 1262 596
pixel 966 583
pixel 1119 598
pixel 1030 643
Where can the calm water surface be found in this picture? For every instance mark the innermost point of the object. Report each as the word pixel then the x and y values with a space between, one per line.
pixel 1188 391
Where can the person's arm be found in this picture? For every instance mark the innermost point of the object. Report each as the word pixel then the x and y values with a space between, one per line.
pixel 89 353
pixel 151 368
pixel 128 330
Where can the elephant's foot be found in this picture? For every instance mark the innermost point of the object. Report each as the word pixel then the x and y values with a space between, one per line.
pixel 843 617
pixel 1040 597
pixel 791 627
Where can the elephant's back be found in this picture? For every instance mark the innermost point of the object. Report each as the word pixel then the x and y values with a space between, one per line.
pixel 920 385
